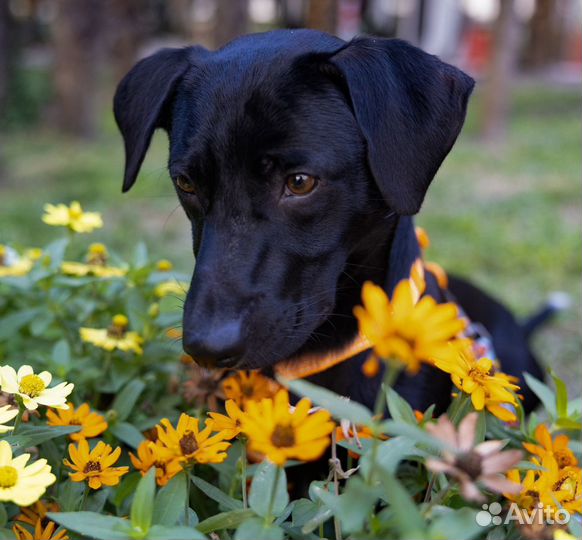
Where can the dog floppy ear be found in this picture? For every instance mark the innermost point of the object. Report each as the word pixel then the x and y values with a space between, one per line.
pixel 141 99
pixel 410 107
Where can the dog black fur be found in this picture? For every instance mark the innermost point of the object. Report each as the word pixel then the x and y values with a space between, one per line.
pixel 278 274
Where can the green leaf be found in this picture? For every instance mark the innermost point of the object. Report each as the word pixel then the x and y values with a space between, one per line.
pixel 216 494
pixel 303 511
pixel 459 524
pixel 561 395
pixel 126 399
pixel 390 453
pixel 127 433
pixel 481 428
pixel 3 516
pixel 543 392
pixel 140 255
pixel 413 433
pixel 405 514
pixel 225 520
pixel 353 506
pixel 31 435
pixel 321 517
pixel 12 323
pixel 69 495
pixel 257 529
pixel 338 406
pixel 170 501
pixel 56 251
pixel 399 408
pixel 142 507
pixel 160 532
pixel 263 489
pixel 94 525
pixel 126 488
pixel 567 423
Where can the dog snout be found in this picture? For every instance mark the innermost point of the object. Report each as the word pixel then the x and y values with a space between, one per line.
pixel 217 347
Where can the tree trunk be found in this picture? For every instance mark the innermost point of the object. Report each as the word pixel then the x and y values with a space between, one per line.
pixel 545 37
pixel 322 15
pixel 501 70
pixel 77 53
pixel 232 18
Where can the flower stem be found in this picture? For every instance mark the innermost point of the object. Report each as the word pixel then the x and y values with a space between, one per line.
pixel 18 419
pixel 336 521
pixel 243 472
pixel 187 501
pixel 269 516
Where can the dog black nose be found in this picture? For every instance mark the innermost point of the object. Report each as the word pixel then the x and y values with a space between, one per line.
pixel 217 346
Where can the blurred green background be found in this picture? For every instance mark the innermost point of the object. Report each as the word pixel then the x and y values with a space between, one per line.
pixel 504 210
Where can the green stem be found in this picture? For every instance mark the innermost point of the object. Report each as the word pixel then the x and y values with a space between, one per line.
pixel 243 472
pixel 187 501
pixel 18 419
pixel 336 521
pixel 269 516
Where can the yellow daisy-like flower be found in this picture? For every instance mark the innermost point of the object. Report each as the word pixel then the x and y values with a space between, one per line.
pixel 94 466
pixel 7 413
pixel 163 265
pixel 92 423
pixel 246 386
pixel 97 257
pixel 230 424
pixel 488 389
pixel 281 433
pixel 188 443
pixel 401 329
pixel 560 487
pixel 149 455
pixel 73 217
pixel 33 389
pixel 20 483
pixel 114 337
pixel 46 532
pixel 166 288
pixel 528 496
pixel 11 264
pixel 558 447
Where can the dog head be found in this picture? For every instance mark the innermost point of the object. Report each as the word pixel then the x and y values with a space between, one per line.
pixel 293 154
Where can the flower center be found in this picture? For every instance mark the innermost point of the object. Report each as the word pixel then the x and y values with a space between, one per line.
pixel 2 256
pixel 75 211
pixel 31 385
pixel 567 483
pixel 247 390
pixel 97 254
pixel 8 476
pixel 283 436
pixel 119 327
pixel 564 458
pixel 469 462
pixel 92 466
pixel 188 443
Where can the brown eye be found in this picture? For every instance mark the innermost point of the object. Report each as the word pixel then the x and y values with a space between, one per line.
pixel 301 184
pixel 184 184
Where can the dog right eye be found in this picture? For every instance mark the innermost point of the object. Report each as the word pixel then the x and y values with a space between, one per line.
pixel 184 184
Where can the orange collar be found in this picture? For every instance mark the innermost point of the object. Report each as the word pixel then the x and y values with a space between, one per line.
pixel 310 364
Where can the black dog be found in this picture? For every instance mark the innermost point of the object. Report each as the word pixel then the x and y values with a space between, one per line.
pixel 299 159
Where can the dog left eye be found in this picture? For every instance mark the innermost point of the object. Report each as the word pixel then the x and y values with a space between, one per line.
pixel 300 184
pixel 184 184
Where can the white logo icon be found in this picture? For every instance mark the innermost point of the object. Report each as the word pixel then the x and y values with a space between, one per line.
pixel 489 515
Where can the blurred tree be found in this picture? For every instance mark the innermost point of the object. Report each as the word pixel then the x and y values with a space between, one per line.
pixel 77 38
pixel 232 19
pixel 500 74
pixel 322 15
pixel 545 34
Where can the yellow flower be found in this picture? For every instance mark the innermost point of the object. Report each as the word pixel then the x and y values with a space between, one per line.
pixel 488 389
pixel 404 330
pixel 559 447
pixel 280 433
pixel 560 487
pixel 114 337
pixel 163 265
pixel 73 217
pixel 20 483
pixel 33 389
pixel 7 413
pixel 171 287
pixel 248 385
pixel 95 466
pixel 230 424
pixel 561 534
pixel 528 496
pixel 40 533
pixel 92 423
pixel 188 443
pixel 37 511
pixel 149 455
pixel 97 257
pixel 11 264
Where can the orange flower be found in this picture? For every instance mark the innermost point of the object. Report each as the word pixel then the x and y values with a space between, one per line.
pixel 558 447
pixel 228 425
pixel 248 385
pixel 95 466
pixel 148 456
pixel 40 533
pixel 92 423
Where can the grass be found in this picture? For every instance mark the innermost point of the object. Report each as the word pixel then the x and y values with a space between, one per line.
pixel 508 217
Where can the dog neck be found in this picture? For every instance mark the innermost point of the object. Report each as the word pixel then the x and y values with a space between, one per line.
pixel 403 251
